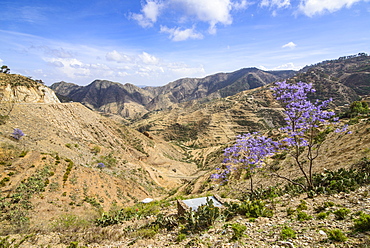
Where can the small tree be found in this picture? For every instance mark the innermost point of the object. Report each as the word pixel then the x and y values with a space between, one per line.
pixel 358 107
pixel 248 153
pixel 307 124
pixel 4 69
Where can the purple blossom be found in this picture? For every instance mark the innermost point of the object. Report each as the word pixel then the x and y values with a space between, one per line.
pixel 17 134
pixel 101 165
pixel 302 116
pixel 249 152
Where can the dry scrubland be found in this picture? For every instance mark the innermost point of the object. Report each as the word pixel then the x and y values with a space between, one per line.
pixel 54 194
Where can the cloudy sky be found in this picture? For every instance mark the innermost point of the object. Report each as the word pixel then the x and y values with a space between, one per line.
pixel 153 42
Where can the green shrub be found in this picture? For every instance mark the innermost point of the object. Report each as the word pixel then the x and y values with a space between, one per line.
pixel 336 235
pixel 23 154
pixel 137 211
pixel 181 237
pixel 322 215
pixel 205 216
pixel 4 181
pixel 249 209
pixel 287 233
pixel 341 213
pixel 69 221
pixel 302 206
pixel 68 145
pixel 238 231
pixel 324 206
pixel 168 222
pixel 362 224
pixel 302 216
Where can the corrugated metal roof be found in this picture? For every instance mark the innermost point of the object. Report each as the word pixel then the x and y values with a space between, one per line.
pixel 197 202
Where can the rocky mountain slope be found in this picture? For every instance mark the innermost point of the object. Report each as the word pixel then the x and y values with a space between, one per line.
pixel 130 101
pixel 87 161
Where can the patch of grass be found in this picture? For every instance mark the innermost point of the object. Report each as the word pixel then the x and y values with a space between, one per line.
pixel 23 154
pixel 137 211
pixel 322 215
pixel 336 235
pixel 303 216
pixel 238 231
pixel 341 213
pixel 287 233
pixel 181 237
pixel 69 221
pixel 6 243
pixel 362 224
pixel 302 206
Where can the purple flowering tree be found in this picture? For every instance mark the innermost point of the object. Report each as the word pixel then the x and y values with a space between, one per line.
pixel 17 134
pixel 307 123
pixel 248 153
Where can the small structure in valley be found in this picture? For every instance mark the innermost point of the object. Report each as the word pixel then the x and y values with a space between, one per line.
pixel 195 203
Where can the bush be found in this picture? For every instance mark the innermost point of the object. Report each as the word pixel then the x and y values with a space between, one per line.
pixel 362 224
pixel 302 216
pixel 137 211
pixel 287 233
pixel 238 231
pixel 249 209
pixel 181 237
pixel 203 218
pixel 341 213
pixel 336 235
pixel 322 215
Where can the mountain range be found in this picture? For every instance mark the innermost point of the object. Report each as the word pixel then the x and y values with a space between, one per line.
pixel 131 101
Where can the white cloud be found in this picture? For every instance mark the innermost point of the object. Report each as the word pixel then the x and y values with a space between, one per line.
pixel 312 7
pixel 149 13
pixel 146 58
pixel 117 56
pixel 176 34
pixel 1 61
pixel 212 12
pixel 275 3
pixel 289 45
pixel 287 66
pixel 209 11
pixel 240 5
pixel 71 67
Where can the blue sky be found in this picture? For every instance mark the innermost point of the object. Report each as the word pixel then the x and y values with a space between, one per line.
pixel 154 42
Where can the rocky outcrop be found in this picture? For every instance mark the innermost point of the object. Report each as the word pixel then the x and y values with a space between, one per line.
pixel 20 89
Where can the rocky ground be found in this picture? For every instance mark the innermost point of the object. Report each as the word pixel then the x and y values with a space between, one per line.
pixel 260 232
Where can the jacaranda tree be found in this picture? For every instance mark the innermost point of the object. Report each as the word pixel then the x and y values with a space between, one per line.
pixel 248 153
pixel 307 123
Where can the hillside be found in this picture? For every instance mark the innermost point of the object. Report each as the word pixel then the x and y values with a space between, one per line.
pixel 130 101
pixel 63 146
pixel 76 178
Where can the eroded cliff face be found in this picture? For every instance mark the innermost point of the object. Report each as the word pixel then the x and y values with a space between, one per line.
pixel 20 89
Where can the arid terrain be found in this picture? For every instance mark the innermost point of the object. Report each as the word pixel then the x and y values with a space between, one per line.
pixel 79 173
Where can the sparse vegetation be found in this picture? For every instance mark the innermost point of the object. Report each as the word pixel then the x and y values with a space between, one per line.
pixel 287 233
